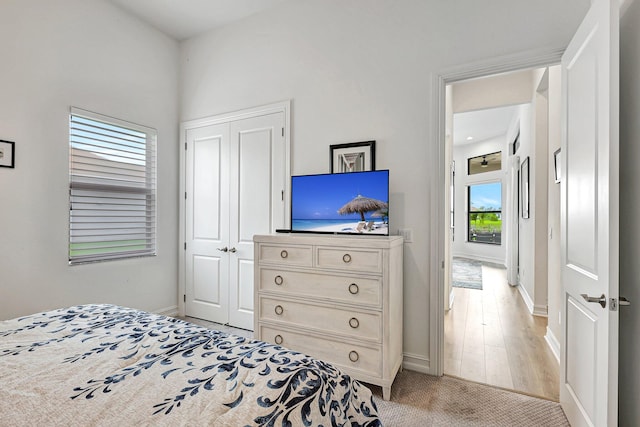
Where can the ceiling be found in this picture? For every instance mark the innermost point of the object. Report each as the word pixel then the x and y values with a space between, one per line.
pixel 183 19
pixel 482 125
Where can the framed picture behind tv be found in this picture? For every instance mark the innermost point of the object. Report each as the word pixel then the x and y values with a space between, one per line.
pixel 353 157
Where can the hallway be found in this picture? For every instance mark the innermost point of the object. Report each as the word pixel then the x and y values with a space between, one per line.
pixel 491 338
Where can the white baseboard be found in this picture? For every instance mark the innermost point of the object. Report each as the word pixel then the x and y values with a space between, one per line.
pixel 500 263
pixel 554 344
pixel 526 298
pixel 415 362
pixel 168 311
pixel 536 310
pixel 540 310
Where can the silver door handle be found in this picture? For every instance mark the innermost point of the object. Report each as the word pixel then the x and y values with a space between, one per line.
pixel 602 300
pixel 233 250
pixel 225 249
pixel 623 301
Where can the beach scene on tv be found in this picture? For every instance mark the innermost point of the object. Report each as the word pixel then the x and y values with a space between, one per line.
pixel 341 203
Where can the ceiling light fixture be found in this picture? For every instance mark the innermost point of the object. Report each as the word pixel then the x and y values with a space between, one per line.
pixel 469 138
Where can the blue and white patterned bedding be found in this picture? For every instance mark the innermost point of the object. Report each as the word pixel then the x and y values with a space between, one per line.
pixel 109 365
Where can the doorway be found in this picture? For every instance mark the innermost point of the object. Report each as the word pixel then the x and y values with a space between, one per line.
pixel 498 333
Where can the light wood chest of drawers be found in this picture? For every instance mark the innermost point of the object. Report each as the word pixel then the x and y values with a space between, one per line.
pixel 336 298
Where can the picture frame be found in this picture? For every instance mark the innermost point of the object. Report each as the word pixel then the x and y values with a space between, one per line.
pixel 557 167
pixel 353 157
pixel 524 181
pixel 7 154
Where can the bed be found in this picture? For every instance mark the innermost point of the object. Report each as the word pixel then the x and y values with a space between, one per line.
pixel 110 365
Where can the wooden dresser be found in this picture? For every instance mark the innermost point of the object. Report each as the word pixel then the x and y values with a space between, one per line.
pixel 336 298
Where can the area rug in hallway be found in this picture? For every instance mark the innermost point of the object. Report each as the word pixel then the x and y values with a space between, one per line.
pixel 419 400
pixel 467 273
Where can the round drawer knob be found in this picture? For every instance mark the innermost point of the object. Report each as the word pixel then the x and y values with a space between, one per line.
pixel 284 254
pixel 353 289
pixel 279 310
pixel 278 280
pixel 354 323
pixel 278 339
pixel 346 258
pixel 354 356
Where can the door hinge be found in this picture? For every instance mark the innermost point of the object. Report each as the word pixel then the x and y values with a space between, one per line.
pixel 185 146
pixel 282 131
pixel 185 195
pixel 184 297
pixel 185 246
pixel 282 195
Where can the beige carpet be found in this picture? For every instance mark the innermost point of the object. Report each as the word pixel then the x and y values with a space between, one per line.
pixel 422 400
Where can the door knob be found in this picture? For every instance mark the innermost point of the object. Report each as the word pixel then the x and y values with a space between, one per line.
pixel 602 300
pixel 233 250
pixel 223 249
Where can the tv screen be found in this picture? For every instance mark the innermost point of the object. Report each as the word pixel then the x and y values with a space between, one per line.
pixel 341 203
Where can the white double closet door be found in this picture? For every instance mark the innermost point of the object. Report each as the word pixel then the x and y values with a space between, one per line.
pixel 235 176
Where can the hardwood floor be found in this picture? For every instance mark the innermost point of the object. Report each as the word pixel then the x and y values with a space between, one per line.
pixel 491 338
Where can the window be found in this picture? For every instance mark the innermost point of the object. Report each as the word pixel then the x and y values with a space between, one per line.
pixel 112 188
pixel 485 213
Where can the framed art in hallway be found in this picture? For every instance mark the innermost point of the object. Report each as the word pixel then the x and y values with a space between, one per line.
pixel 556 166
pixel 524 190
pixel 7 154
pixel 353 157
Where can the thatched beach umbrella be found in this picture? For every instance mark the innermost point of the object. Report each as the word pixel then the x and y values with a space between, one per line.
pixel 361 205
pixel 381 213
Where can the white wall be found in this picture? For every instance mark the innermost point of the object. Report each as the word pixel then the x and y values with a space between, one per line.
pixel 461 246
pixel 493 91
pixel 359 70
pixel 533 230
pixel 629 378
pixel 88 54
pixel 553 214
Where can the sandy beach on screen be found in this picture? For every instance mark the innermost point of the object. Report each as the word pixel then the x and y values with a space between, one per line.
pixel 350 227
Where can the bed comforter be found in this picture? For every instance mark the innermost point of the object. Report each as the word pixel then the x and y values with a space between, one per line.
pixel 109 365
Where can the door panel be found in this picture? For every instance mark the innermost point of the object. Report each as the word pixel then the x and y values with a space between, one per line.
pixel 589 219
pixel 207 223
pixel 206 280
pixel 257 184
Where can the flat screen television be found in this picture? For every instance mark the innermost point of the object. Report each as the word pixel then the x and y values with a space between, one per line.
pixel 341 203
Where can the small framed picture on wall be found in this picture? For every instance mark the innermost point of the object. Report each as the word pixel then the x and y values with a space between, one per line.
pixel 7 154
pixel 353 157
pixel 524 180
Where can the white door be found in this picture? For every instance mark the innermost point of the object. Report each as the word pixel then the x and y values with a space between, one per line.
pixel 257 202
pixel 235 180
pixel 589 220
pixel 207 223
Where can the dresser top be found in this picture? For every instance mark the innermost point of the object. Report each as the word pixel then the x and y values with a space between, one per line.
pixel 330 240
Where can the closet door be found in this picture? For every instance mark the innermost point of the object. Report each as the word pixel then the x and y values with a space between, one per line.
pixel 257 183
pixel 207 223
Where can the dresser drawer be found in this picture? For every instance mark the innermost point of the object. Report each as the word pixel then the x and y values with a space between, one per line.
pixel 351 290
pixel 298 255
pixel 348 259
pixel 341 354
pixel 361 325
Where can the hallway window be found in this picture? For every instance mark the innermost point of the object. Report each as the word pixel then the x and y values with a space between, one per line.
pixel 485 213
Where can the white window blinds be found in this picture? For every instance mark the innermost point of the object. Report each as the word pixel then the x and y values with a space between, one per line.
pixel 112 188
